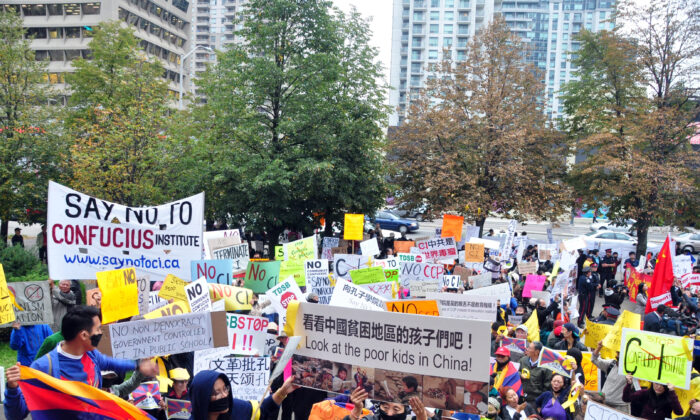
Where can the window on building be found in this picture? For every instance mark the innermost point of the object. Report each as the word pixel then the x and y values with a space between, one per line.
pixel 565 36
pixel 415 55
pixel 463 29
pixel 415 81
pixel 415 67
pixel 73 55
pixel 462 42
pixel 434 15
pixel 34 10
pixel 434 3
pixel 433 41
pixel 566 16
pixel 434 28
pixel 448 29
pixel 555 22
pixel 551 75
pixel 73 32
pixel 463 4
pixel 36 33
pixel 449 16
pixel 602 15
pixel 91 8
pixel 417 28
pixel 566 26
pixel 432 55
pixel 556 6
pixel 41 55
pixel 72 9
pixel 449 4
pixel 447 42
pixel 56 55
pixel 417 42
pixel 56 33
pixel 461 55
pixel 589 16
pixel 418 16
pixel 14 7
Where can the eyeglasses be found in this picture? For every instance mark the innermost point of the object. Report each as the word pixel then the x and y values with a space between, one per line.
pixel 221 394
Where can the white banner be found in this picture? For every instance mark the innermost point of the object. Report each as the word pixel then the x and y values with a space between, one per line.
pixel 409 272
pixel 343 263
pixel 349 295
pixel 248 375
pixel 86 235
pixel 424 345
pixel 500 290
pixel 453 305
pixel 247 334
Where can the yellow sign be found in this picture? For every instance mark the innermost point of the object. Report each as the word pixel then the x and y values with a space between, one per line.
pixel 301 250
pixel 626 320
pixel 354 227
pixel 684 396
pixel 7 314
pixel 590 371
pixel 656 357
pixel 595 333
pixel 120 294
pixel 293 268
pixel 533 328
pixel 473 252
pixel 173 288
pixel 279 252
pixel 235 298
pixel 175 308
pixel 369 275
pixel 417 306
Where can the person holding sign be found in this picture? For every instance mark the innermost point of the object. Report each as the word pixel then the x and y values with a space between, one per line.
pixel 387 410
pixel 74 359
pixel 658 402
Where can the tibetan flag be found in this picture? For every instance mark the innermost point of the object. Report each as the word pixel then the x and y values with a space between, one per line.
pixel 147 395
pixel 550 359
pixel 178 409
pixel 662 279
pixel 508 376
pixel 49 398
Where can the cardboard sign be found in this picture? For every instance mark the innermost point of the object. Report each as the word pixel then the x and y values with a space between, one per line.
pixel 348 295
pixel 473 252
pixel 167 335
pixel 175 308
pixel 249 376
pixel 86 234
pixel 327 249
pixel 235 298
pixel 403 246
pixel 419 272
pixel 368 275
pixel 247 334
pixel 173 288
pixel 343 263
pixel 238 254
pixel 525 268
pixel 533 282
pixel 421 345
pixel 500 291
pixel 120 294
pixel 416 307
pixel 280 296
pixel 453 305
pixel 32 302
pixel 354 227
pixel 317 279
pixel 452 226
pixel 481 280
pixel 655 357
pixel 143 284
pixel 437 248
pixel 154 301
pixel 595 411
pixel 301 250
pixel 451 282
pixel 198 296
pixel 217 239
pixel 214 271
pixel 420 288
pixel 262 276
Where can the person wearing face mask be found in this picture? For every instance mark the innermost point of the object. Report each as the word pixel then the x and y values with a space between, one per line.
pixel 658 402
pixel 694 413
pixel 387 410
pixel 75 359
pixel 210 394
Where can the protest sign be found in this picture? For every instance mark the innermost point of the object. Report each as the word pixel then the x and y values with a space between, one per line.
pixel 348 295
pixel 505 250
pixel 86 235
pixel 387 263
pixel 403 246
pixel 689 280
pixel 452 226
pixel 32 302
pixel 217 239
pixel 247 334
pixel 444 347
pixel 293 268
pixel 416 306
pixel 370 247
pixel 409 258
pixel 488 243
pixel 178 409
pixel 547 252
pixel 472 232
pixel 682 265
pixel 500 291
pixel 596 411
pixel 236 298
pixel 539 294
pixel 289 349
pixel 387 290
pixel 261 276
pixel 166 335
pixel 198 296
pixel 419 272
pixel 437 248
pixel 175 308
pixel 685 396
pixel 354 227
pixel 301 250
pixel 343 263
pixel 515 319
pixel 248 375
pixel 453 305
pixel 392 275
pixel 368 275
pixel 533 282
pixel 93 297
pixel 238 254
pixel 120 294
pixel 655 357
pixel 173 288
pixel 594 333
pixel 515 345
pixel 317 279
pixel 154 301
pixel 338 250
pixel 329 243
pixel 480 280
pixel 280 296
pixel 525 268
pixel 473 252
pixel 591 373
pixel 451 282
pixel 626 320
pixel 462 272
pixel 574 244
pixel 279 252
pixel 420 288
pixel 143 284
pixel 214 271
pixel 553 360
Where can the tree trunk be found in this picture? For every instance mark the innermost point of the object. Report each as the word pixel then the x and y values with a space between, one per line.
pixel 274 237
pixel 481 222
pixel 642 234
pixel 4 226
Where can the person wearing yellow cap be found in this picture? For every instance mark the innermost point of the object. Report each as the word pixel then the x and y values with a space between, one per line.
pixel 180 377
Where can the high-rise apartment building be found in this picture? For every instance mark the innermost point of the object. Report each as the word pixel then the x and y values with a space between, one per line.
pixel 422 29
pixel 63 30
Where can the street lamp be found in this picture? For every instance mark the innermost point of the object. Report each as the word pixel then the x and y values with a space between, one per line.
pixel 182 68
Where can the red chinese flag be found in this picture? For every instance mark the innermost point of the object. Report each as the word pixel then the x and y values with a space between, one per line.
pixel 662 280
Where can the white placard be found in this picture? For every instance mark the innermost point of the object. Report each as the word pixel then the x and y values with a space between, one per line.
pixel 343 263
pixel 220 239
pixel 349 295
pixel 574 244
pixel 248 375
pixel 370 247
pixel 317 279
pixel 419 272
pixel 198 295
pixel 595 411
pixel 387 264
pixel 144 285
pixel 539 294
pixel 155 301
pixel 488 243
pixel 387 290
pixel 453 305
pixel 281 295
pixel 329 243
pixel 247 334
pixel 452 281
pixel 682 265
pixel 462 352
pixel 239 254
pixel 86 235
pixel 500 290
pixel 33 299
pixel 420 288
pixel 481 280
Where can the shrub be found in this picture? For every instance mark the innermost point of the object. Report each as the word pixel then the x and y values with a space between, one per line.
pixel 22 265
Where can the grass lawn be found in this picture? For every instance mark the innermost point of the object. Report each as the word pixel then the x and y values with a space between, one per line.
pixel 8 357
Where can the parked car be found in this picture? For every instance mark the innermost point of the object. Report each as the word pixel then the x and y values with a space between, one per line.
pixel 617 241
pixel 390 221
pixel 626 226
pixel 688 241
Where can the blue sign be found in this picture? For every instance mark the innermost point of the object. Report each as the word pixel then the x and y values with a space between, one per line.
pixel 215 271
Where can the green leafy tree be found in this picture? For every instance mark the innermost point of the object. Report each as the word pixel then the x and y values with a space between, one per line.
pixel 118 121
pixel 30 152
pixel 293 120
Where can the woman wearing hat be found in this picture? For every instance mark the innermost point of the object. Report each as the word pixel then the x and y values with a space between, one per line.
pixel 571 338
pixel 180 377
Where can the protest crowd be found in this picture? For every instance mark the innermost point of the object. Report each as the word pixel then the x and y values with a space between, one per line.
pixel 169 322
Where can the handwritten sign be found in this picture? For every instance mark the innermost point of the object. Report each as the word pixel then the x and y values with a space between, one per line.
pixel 173 288
pixel 354 227
pixel 261 276
pixel 419 272
pixel 120 294
pixel 218 239
pixel 437 248
pixel 418 307
pixel 33 302
pixel 348 295
pixel 175 308
pixel 473 252
pixel 301 250
pixel 249 376
pixel 368 275
pixel 452 226
pixel 214 271
pixel 247 334
pixel 533 282
pixel 329 243
pixel 656 357
pixel 238 254
pixel 235 298
pixel 317 279
pixel 451 282
pixel 198 296
pixel 453 305
pixel 527 267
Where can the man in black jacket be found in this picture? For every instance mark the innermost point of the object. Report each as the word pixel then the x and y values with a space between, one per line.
pixel 652 320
